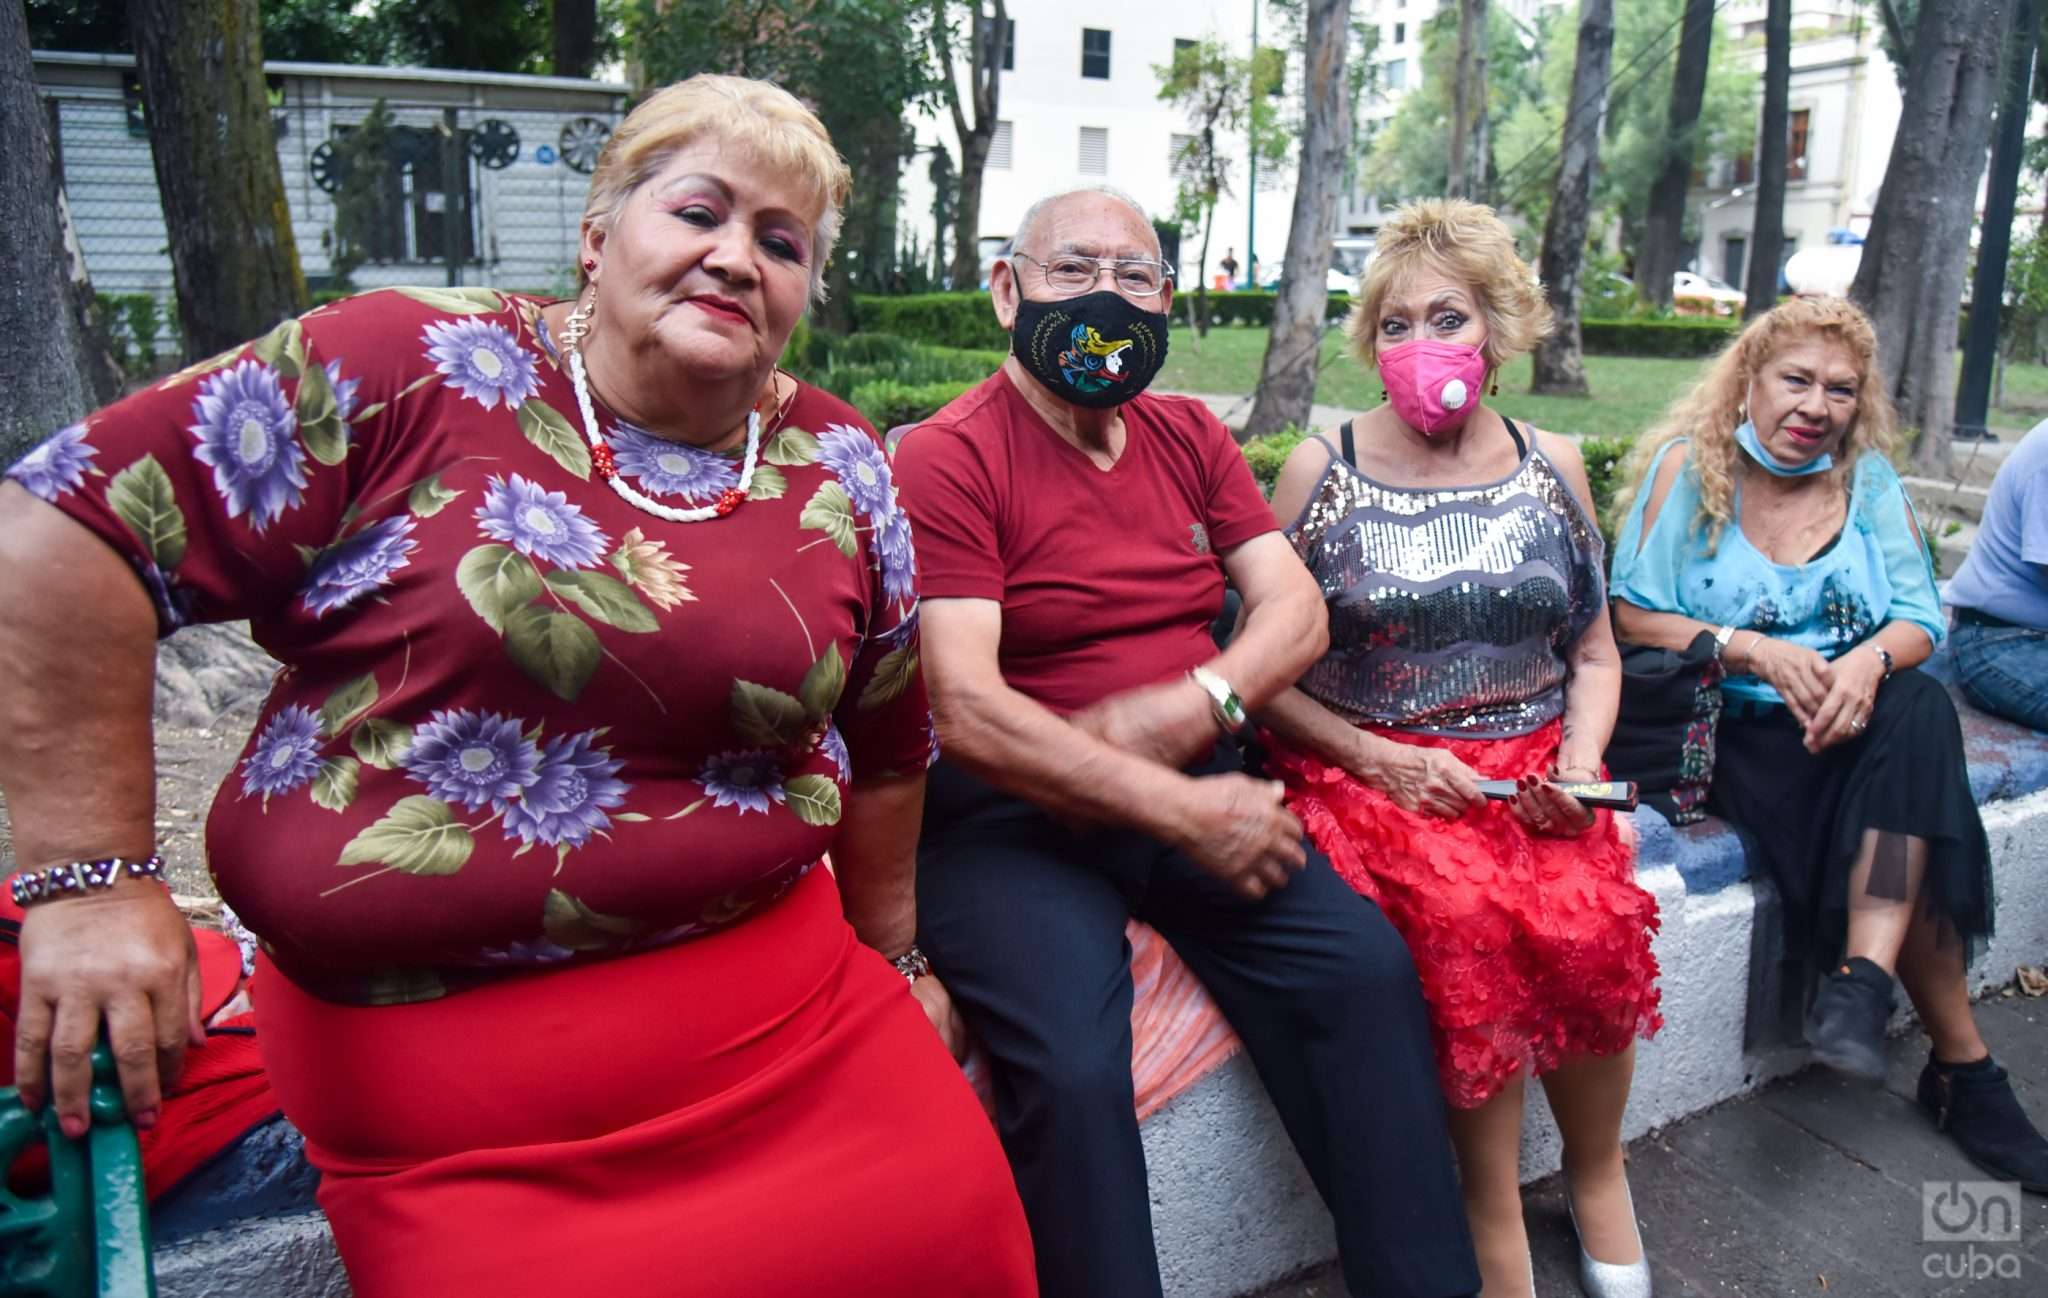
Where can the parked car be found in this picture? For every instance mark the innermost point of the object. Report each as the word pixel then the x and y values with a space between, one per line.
pixel 1694 294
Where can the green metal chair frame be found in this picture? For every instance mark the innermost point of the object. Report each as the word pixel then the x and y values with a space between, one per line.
pixel 89 1237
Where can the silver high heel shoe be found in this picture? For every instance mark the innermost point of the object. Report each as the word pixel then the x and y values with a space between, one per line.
pixel 1611 1279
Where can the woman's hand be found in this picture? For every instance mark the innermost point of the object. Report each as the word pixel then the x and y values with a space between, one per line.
pixel 945 1018
pixel 1800 675
pixel 124 954
pixel 1845 711
pixel 1549 810
pixel 1426 780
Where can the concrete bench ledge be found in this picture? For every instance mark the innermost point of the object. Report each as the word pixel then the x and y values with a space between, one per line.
pixel 1233 1210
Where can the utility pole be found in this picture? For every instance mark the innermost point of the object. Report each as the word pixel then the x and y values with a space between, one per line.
pixel 1251 126
pixel 1987 291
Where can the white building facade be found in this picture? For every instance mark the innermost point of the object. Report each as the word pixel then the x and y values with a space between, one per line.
pixel 1079 104
pixel 1844 104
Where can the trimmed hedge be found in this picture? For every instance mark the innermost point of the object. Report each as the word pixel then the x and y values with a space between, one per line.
pixel 887 403
pixel 1681 337
pixel 941 319
pixel 1252 306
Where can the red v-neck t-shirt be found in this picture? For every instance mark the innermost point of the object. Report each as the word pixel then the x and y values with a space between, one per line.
pixel 1109 579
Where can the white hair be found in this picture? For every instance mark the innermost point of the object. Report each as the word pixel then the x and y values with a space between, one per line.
pixel 1036 212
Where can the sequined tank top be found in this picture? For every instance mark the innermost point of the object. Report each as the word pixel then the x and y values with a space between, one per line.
pixel 1451 609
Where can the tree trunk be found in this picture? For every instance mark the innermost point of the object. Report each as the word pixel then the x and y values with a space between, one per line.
pixel 232 253
pixel 1466 177
pixel 575 37
pixel 1560 365
pixel 965 274
pixel 1287 380
pixel 1910 279
pixel 985 40
pixel 1767 236
pixel 1202 273
pixel 56 365
pixel 1657 261
pixel 1994 243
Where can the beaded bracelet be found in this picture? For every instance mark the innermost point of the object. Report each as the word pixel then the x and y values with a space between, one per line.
pixel 32 886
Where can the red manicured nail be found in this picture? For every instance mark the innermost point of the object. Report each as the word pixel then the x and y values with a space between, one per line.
pixel 72 1126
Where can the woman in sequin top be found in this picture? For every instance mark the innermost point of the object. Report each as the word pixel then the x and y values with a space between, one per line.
pixel 1468 640
pixel 1764 509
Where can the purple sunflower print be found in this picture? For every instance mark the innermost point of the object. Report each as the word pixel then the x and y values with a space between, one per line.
pixel 248 434
pixel 483 361
pixel 834 747
pixel 58 466
pixel 669 468
pixel 566 802
pixel 541 523
pixel 748 779
pixel 472 758
pixel 348 570
pixel 895 556
pixel 287 753
pixel 861 468
pixel 344 389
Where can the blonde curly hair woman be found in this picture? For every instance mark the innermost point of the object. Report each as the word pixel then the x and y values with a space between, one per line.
pixel 1764 510
pixel 1469 640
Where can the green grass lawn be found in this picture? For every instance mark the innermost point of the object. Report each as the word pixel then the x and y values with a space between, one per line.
pixel 1629 392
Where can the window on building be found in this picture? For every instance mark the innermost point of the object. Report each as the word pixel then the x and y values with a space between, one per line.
pixel 1397 74
pixel 1400 33
pixel 1734 253
pixel 416 211
pixel 1795 149
pixel 999 147
pixel 1008 45
pixel 1180 43
pixel 1094 151
pixel 1095 53
pixel 1179 158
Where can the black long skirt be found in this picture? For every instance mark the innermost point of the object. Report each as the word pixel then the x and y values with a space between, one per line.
pixel 1802 817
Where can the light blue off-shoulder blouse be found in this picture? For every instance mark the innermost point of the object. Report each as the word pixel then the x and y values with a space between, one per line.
pixel 1876 572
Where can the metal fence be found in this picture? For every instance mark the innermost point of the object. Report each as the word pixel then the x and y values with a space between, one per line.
pixel 485 191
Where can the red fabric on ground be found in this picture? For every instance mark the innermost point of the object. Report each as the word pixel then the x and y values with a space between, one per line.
pixel 1531 950
pixel 762 1111
pixel 1108 580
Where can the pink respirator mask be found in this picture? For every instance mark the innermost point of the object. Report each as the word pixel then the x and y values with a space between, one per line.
pixel 1433 386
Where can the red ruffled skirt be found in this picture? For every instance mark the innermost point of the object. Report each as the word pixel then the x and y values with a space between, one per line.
pixel 762 1111
pixel 1531 950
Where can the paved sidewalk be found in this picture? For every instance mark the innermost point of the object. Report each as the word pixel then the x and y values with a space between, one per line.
pixel 1809 1187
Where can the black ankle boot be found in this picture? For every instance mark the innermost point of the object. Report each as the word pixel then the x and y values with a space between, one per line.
pixel 1975 1106
pixel 1847 1022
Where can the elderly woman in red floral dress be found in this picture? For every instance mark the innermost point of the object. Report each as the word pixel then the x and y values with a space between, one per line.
pixel 598 631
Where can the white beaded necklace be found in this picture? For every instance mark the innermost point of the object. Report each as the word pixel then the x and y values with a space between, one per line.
pixel 602 459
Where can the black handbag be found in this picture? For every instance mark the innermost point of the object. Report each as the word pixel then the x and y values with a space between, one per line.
pixel 1664 737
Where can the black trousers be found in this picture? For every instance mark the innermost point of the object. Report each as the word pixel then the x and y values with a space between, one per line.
pixel 1024 919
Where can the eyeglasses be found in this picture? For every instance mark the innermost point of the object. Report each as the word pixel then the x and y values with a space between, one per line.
pixel 1071 274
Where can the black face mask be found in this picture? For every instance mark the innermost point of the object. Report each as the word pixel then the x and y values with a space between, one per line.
pixel 1096 350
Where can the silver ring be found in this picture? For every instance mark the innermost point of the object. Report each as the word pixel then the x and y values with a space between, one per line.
pixel 1857 725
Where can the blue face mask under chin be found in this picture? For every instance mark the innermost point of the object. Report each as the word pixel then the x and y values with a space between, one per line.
pixel 1745 435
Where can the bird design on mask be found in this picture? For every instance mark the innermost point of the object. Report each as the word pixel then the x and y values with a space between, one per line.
pixel 1091 362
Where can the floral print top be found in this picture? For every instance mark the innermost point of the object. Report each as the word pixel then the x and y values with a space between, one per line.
pixel 519 721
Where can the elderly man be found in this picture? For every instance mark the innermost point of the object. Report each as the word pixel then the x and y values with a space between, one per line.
pixel 1074 534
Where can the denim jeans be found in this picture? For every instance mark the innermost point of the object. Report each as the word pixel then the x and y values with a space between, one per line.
pixel 2003 670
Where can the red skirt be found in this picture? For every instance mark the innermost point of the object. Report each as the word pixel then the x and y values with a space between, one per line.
pixel 761 1111
pixel 1531 950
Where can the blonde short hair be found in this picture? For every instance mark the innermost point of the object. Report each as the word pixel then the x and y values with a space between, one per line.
pixel 1708 416
pixel 758 118
pixel 1465 242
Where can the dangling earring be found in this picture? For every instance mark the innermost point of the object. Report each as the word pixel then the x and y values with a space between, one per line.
pixel 1494 391
pixel 578 327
